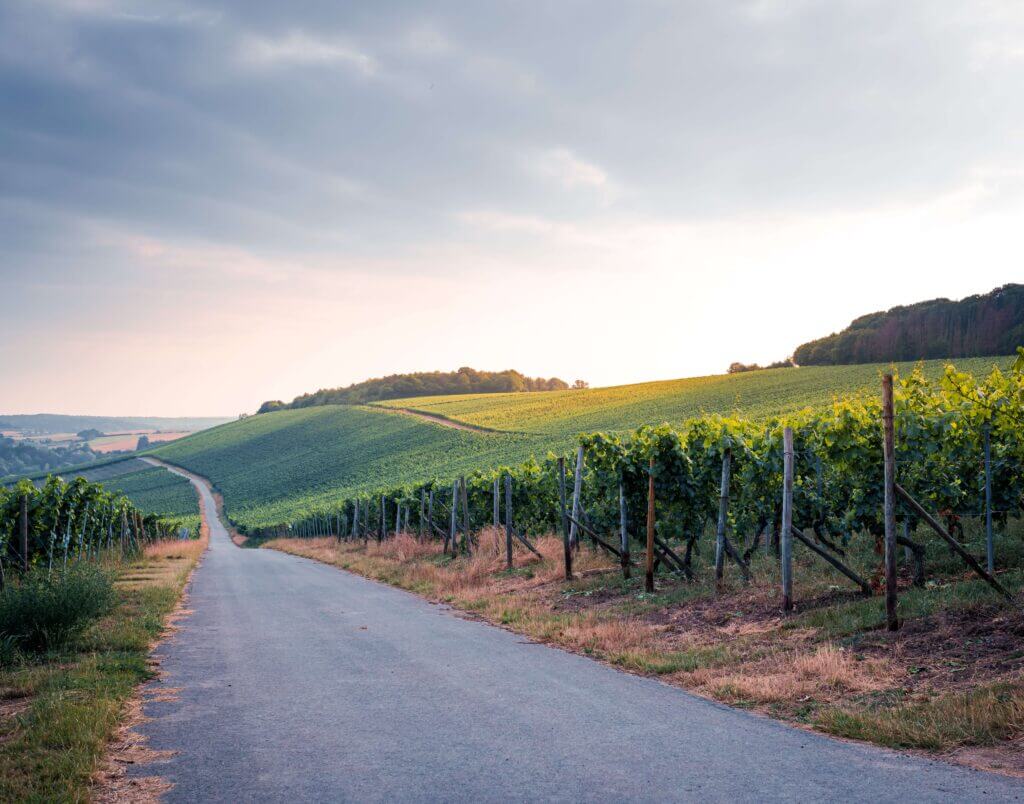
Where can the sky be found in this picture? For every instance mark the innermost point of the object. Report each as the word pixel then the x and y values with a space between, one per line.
pixel 207 205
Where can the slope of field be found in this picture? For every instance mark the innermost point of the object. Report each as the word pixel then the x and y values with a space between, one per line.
pixel 753 394
pixel 157 491
pixel 282 465
pixel 273 466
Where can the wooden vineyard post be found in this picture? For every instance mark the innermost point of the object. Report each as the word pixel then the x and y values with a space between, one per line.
pixel 889 455
pixel 24 532
pixel 577 488
pixel 423 513
pixel 430 514
pixel 649 577
pixel 355 519
pixel 467 542
pixel 453 525
pixel 497 502
pixel 508 521
pixel 623 533
pixel 398 518
pixel 383 532
pixel 723 512
pixel 786 535
pixel 990 552
pixel 563 514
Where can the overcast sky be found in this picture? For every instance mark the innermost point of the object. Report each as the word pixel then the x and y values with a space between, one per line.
pixel 203 206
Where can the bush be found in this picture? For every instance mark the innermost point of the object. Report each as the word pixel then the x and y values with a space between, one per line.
pixel 39 614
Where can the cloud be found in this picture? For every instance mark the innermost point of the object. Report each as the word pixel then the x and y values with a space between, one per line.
pixel 565 168
pixel 298 48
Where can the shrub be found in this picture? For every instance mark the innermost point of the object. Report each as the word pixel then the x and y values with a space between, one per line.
pixel 39 614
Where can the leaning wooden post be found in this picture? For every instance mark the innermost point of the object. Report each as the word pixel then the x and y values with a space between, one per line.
pixel 577 488
pixel 508 521
pixel 24 532
pixel 383 532
pixel 786 535
pixel 623 533
pixel 467 542
pixel 723 512
pixel 649 579
pixel 889 455
pixel 355 519
pixel 497 503
pixel 398 517
pixel 990 552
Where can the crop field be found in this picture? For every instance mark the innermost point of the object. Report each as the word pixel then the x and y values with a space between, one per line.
pixel 157 491
pixel 752 395
pixel 278 466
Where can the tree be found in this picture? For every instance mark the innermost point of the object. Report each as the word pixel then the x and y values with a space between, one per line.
pixel 143 443
pixel 580 385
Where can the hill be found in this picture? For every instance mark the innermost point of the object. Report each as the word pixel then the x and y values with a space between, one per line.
pixel 59 423
pixel 991 324
pixel 277 466
pixel 394 386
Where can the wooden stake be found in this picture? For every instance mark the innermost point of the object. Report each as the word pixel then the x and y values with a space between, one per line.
pixel 623 533
pixel 24 532
pixel 562 512
pixel 423 513
pixel 786 533
pixel 453 525
pixel 430 514
pixel 990 552
pixel 497 503
pixel 577 488
pixel 467 542
pixel 723 512
pixel 508 521
pixel 649 578
pixel 382 534
pixel 889 456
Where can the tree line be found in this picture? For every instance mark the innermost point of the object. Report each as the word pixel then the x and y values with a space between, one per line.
pixel 433 383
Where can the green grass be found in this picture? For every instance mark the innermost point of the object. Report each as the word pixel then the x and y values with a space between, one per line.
pixel 279 466
pixel 74 698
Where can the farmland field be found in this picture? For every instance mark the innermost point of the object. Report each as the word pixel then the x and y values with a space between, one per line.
pixel 277 466
pixel 157 491
pixel 752 395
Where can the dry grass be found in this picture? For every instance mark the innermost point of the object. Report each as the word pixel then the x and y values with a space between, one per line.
pixel 823 674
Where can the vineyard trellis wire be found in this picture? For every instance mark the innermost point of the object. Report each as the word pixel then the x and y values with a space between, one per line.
pixel 958 449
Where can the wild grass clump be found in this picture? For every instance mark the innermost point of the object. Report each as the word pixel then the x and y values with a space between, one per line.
pixel 45 611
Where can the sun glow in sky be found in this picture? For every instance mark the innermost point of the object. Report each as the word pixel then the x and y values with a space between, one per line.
pixel 203 206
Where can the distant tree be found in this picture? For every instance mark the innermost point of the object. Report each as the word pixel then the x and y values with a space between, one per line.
pixel 580 385
pixel 435 383
pixel 89 435
pixel 143 443
pixel 989 324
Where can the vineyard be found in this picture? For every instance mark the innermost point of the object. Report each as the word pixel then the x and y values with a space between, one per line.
pixel 279 467
pixel 957 448
pixel 72 521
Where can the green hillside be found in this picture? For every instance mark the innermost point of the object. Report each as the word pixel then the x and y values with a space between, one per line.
pixel 276 466
pixel 157 491
pixel 752 394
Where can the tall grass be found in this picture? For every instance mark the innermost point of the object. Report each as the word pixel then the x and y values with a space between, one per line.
pixel 45 611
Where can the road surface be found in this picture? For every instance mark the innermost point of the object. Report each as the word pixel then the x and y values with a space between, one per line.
pixel 300 682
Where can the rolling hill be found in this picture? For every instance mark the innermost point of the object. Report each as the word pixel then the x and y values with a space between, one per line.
pixel 276 466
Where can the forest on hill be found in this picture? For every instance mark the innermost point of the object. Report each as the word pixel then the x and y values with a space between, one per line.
pixel 977 326
pixel 430 383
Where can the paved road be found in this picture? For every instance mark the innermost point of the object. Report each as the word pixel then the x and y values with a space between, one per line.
pixel 303 683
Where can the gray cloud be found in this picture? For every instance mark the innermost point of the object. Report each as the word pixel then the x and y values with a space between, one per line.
pixel 372 128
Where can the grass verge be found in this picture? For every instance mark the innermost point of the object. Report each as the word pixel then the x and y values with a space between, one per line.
pixel 59 711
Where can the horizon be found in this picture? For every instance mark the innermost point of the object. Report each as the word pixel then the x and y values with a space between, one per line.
pixel 206 207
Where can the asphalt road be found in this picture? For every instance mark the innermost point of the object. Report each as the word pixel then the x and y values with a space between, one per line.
pixel 300 682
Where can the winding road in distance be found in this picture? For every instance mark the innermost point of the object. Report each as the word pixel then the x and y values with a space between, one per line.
pixel 300 682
